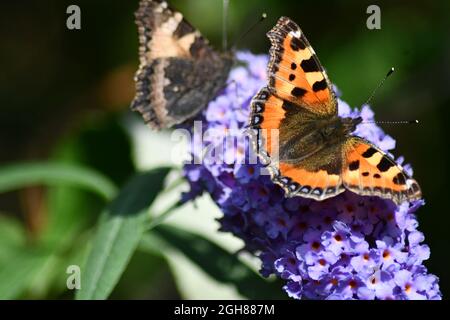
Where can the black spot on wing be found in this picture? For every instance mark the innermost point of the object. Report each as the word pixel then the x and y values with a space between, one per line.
pixel 288 106
pixel 297 44
pixel 365 174
pixel 298 92
pixel 354 165
pixel 369 152
pixel 384 164
pixel 292 26
pixel 291 77
pixel 293 66
pixel 399 179
pixel 310 65
pixel 376 176
pixel 183 29
pixel 320 85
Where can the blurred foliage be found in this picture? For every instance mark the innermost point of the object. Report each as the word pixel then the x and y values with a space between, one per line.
pixel 120 230
pixel 218 263
pixel 64 94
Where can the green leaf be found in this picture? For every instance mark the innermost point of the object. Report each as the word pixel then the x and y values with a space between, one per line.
pixel 148 277
pixel 12 238
pixel 19 264
pixel 53 283
pixel 119 231
pixel 218 263
pixel 11 231
pixel 72 210
pixel 22 175
pixel 21 269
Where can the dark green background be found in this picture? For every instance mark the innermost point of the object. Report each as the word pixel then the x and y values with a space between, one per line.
pixel 58 85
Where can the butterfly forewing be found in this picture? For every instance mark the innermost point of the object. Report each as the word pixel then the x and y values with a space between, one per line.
pixel 294 71
pixel 163 32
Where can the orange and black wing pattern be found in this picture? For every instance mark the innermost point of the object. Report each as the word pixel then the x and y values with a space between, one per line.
pixel 316 176
pixel 292 116
pixel 367 170
pixel 294 71
pixel 298 94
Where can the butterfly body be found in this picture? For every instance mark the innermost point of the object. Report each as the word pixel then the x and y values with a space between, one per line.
pixel 179 72
pixel 299 142
pixel 309 150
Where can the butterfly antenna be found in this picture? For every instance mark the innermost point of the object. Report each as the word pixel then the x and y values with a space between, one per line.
pixel 393 122
pixel 261 19
pixel 225 4
pixel 380 84
pixel 373 94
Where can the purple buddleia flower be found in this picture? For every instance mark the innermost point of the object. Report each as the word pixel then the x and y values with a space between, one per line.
pixel 345 247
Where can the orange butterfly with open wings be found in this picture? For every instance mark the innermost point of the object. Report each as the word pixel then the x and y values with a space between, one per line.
pixel 317 156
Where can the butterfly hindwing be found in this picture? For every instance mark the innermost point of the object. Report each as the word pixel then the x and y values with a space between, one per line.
pixel 367 170
pixel 179 72
pixel 295 73
pixel 267 114
pixel 316 184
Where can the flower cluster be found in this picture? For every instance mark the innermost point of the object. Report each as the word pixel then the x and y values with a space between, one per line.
pixel 346 247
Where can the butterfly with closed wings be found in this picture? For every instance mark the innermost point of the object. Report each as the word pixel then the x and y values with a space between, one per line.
pixel 179 72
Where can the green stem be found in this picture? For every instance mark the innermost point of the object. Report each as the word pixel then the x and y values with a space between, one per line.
pixel 174 184
pixel 163 216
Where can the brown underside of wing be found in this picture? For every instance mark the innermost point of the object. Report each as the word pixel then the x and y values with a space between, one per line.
pixel 179 72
